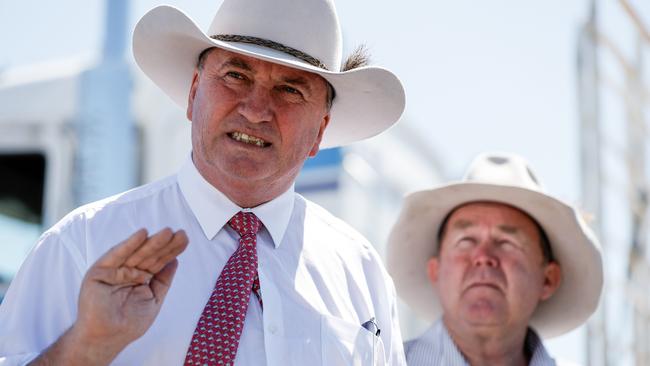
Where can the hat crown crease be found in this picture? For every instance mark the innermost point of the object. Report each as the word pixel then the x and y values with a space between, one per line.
pixel 309 26
pixel 508 170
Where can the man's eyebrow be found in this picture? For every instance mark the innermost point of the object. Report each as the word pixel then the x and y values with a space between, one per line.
pixel 238 63
pixel 298 80
pixel 509 229
pixel 462 224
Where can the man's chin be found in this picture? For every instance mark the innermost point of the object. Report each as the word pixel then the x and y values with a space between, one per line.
pixel 244 167
pixel 484 312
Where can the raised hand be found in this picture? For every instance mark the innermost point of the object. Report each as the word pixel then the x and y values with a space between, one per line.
pixel 120 297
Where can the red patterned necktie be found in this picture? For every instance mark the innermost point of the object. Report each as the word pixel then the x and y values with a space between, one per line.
pixel 217 334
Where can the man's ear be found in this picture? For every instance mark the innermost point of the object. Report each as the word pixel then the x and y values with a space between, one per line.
pixel 319 138
pixel 432 270
pixel 552 280
pixel 192 95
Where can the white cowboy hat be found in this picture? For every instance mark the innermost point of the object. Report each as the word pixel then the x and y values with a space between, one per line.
pixel 507 179
pixel 301 34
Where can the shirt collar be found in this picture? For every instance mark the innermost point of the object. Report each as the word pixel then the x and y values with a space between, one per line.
pixel 213 209
pixel 449 348
pixel 535 347
pixel 533 344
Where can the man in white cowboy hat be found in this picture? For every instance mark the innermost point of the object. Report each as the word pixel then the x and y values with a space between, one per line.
pixel 496 263
pixel 265 276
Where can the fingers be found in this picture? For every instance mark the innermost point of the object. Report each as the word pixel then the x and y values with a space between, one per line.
pixel 117 255
pixel 135 260
pixel 162 281
pixel 152 247
pixel 158 251
pixel 122 276
pixel 176 246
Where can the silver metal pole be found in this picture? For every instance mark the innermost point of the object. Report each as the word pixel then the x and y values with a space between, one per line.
pixel 590 159
pixel 107 158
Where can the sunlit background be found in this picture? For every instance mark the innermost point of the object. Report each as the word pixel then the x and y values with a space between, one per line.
pixel 562 83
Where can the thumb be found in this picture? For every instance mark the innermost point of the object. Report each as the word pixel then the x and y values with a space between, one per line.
pixel 162 281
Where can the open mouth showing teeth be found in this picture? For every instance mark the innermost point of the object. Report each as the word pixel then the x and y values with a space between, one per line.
pixel 248 139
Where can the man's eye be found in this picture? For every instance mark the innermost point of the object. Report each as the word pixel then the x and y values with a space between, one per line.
pixel 291 90
pixel 506 244
pixel 235 75
pixel 466 242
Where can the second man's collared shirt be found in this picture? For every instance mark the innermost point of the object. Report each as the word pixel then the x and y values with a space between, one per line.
pixel 436 348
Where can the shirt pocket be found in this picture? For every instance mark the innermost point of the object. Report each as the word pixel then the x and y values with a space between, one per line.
pixel 302 352
pixel 344 343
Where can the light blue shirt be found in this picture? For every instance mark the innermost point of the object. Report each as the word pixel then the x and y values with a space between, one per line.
pixel 435 347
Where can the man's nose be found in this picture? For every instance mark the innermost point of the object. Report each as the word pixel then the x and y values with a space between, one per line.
pixel 256 105
pixel 484 255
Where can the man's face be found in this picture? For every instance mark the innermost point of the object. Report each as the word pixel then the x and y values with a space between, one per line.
pixel 490 272
pixel 254 123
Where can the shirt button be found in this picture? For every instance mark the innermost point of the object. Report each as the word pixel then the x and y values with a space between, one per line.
pixel 273 328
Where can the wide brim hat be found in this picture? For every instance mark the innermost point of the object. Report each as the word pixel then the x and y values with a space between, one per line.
pixel 507 179
pixel 300 34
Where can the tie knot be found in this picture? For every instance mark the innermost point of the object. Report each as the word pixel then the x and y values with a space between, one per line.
pixel 245 223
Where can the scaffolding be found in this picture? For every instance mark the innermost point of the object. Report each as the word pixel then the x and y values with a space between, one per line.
pixel 631 92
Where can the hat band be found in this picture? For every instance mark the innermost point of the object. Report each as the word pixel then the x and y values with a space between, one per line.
pixel 273 45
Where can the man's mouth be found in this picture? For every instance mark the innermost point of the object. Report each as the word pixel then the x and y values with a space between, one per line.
pixel 484 285
pixel 248 139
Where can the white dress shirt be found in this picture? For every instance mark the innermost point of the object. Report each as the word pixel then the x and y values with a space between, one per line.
pixel 436 348
pixel 320 280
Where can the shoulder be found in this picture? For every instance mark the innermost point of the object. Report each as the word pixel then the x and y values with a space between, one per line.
pixel 410 345
pixel 560 362
pixel 100 219
pixel 318 219
pixel 120 201
pixel 326 236
pixel 420 351
pixel 431 348
pixel 330 237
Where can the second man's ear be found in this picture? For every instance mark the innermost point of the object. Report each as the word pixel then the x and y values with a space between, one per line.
pixel 432 270
pixel 552 280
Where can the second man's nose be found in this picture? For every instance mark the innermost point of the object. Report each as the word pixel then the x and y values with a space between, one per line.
pixel 483 256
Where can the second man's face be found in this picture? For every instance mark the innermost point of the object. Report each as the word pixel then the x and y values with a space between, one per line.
pixel 490 272
pixel 254 122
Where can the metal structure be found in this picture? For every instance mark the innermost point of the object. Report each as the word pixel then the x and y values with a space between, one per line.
pixel 606 339
pixel 590 159
pixel 105 118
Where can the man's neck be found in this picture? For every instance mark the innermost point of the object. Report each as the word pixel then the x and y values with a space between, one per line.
pixel 244 193
pixel 251 197
pixel 498 347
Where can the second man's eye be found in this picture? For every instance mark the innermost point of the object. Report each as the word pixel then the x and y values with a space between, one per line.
pixel 466 242
pixel 507 244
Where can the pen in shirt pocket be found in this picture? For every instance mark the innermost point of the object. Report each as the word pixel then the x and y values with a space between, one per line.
pixel 371 326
